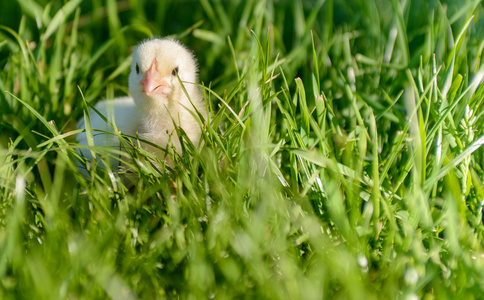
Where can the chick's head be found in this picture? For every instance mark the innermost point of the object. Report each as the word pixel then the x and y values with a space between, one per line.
pixel 159 68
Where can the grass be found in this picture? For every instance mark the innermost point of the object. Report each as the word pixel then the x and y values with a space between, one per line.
pixel 342 158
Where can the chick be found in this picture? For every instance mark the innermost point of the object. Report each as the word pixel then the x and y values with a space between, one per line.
pixel 158 102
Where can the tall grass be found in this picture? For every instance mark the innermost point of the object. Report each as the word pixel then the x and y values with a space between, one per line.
pixel 342 158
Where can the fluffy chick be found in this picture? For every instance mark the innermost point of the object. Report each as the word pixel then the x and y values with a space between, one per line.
pixel 157 101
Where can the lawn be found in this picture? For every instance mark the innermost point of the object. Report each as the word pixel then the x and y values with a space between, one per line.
pixel 342 158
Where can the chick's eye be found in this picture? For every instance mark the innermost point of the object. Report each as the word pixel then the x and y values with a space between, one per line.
pixel 137 69
pixel 175 71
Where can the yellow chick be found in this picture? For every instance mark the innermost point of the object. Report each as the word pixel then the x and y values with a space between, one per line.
pixel 157 100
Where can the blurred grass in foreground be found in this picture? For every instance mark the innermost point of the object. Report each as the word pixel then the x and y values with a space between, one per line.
pixel 342 159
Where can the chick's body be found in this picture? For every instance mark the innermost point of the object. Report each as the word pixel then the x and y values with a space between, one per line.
pixel 158 102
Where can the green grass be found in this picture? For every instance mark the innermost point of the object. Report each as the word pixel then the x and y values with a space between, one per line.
pixel 342 159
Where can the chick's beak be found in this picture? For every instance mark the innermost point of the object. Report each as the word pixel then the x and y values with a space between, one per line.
pixel 153 82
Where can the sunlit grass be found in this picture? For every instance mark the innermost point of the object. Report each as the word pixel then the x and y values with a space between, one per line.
pixel 342 158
